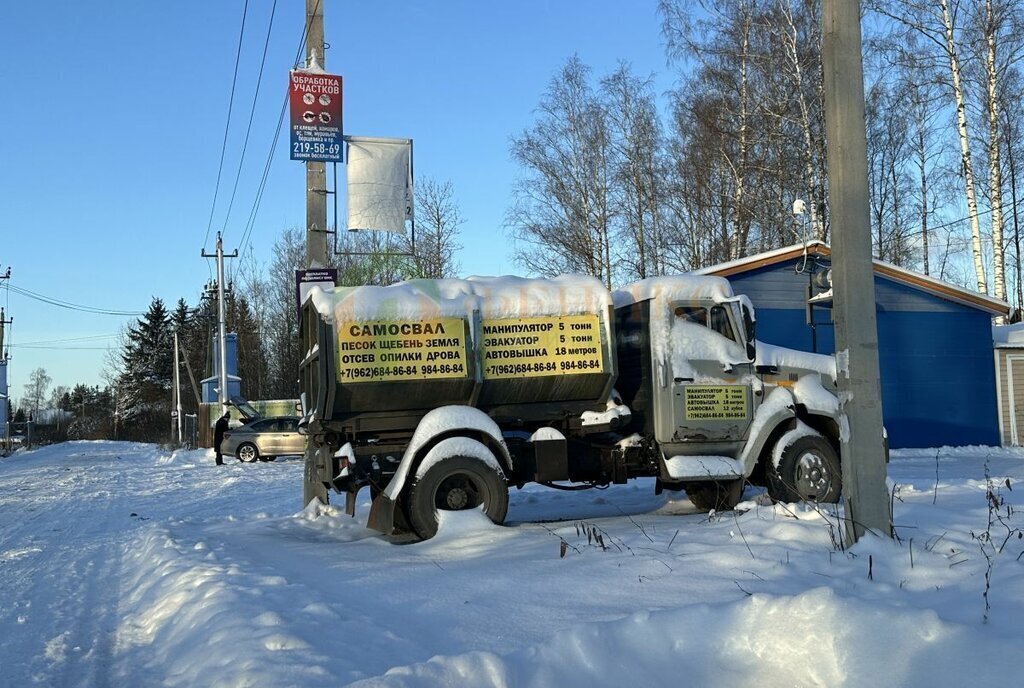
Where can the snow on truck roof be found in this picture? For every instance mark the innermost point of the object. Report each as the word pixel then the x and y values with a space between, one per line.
pixel 674 288
pixel 506 296
pixel 494 297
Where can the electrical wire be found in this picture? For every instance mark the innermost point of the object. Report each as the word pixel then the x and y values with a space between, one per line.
pixel 250 224
pixel 950 223
pixel 69 305
pixel 227 125
pixel 71 339
pixel 252 113
pixel 60 348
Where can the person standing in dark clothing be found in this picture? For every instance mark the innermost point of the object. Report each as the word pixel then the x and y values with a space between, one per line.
pixel 219 428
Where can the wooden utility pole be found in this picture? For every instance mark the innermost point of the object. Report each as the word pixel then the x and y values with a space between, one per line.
pixel 177 387
pixel 3 322
pixel 865 501
pixel 316 228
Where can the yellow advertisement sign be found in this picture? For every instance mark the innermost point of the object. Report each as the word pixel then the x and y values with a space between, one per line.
pixel 548 345
pixel 716 402
pixel 390 350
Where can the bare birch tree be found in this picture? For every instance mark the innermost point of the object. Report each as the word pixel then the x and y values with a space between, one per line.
pixel 562 213
pixel 801 43
pixel 438 219
pixel 937 21
pixel 638 168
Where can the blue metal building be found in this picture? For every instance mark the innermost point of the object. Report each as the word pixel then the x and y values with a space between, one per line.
pixel 934 339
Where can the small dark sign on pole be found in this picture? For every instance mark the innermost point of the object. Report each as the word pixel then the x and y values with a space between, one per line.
pixel 313 277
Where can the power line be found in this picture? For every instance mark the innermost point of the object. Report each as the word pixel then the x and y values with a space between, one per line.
pixel 250 224
pixel 71 339
pixel 1005 207
pixel 252 113
pixel 263 181
pixel 227 125
pixel 68 305
pixel 59 348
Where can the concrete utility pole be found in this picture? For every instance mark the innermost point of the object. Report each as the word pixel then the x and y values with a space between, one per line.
pixel 316 226
pixel 222 381
pixel 865 499
pixel 5 422
pixel 316 172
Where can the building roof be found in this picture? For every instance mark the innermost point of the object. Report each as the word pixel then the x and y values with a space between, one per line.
pixel 1008 336
pixel 916 280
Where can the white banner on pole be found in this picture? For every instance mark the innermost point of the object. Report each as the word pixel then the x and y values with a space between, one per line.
pixel 379 175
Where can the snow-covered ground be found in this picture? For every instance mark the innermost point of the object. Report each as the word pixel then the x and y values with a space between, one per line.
pixel 123 565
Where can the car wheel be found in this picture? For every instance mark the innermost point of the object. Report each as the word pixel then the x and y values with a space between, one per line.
pixel 808 471
pixel 715 495
pixel 247 451
pixel 455 483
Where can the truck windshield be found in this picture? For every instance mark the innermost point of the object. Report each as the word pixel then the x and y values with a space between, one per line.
pixel 693 314
pixel 716 319
pixel 720 323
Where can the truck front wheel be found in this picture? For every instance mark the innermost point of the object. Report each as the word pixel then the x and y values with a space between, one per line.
pixel 808 471
pixel 455 483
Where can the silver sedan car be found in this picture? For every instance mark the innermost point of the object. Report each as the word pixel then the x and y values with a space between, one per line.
pixel 265 439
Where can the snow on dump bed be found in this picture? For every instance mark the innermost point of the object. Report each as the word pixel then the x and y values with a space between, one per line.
pixel 494 297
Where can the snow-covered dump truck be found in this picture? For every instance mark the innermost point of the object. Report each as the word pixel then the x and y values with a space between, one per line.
pixel 443 394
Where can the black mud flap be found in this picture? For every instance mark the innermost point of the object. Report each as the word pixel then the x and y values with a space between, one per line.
pixel 382 514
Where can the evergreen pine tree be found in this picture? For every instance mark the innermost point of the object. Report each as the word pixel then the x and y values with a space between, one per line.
pixel 148 359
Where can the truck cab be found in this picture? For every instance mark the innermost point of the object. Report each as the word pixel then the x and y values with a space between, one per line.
pixel 715 400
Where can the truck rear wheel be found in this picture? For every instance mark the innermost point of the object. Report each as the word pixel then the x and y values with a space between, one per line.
pixel 717 495
pixel 808 471
pixel 455 483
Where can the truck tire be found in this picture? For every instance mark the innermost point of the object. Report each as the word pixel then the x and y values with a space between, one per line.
pixel 455 483
pixel 715 495
pixel 808 471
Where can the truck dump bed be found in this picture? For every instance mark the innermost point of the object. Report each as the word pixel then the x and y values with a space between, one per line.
pixel 514 347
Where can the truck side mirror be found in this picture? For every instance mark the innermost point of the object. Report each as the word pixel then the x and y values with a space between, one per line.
pixel 748 331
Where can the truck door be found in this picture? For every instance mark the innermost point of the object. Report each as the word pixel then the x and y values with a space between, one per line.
pixel 712 399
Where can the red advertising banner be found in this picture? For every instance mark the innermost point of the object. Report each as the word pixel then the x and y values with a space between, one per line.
pixel 315 103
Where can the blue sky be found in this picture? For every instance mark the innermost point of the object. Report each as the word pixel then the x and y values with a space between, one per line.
pixel 114 115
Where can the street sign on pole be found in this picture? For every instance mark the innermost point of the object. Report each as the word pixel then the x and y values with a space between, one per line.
pixel 314 100
pixel 309 278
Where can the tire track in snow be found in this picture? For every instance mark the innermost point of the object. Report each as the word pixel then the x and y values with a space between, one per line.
pixel 71 520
